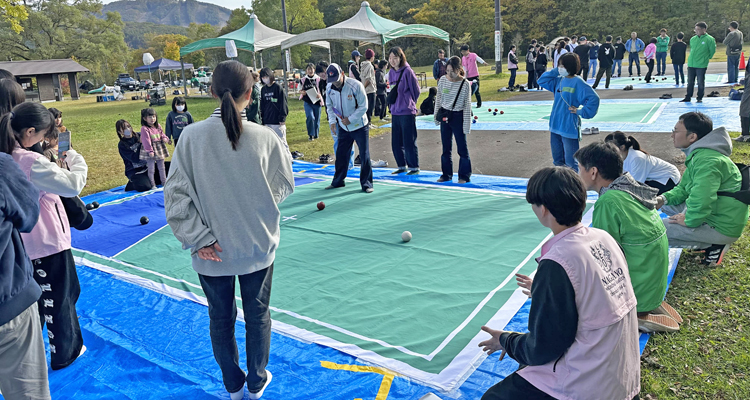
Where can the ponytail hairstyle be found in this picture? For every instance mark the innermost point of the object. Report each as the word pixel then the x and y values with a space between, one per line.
pixel 620 140
pixel 231 81
pixel 11 94
pixel 457 66
pixel 22 117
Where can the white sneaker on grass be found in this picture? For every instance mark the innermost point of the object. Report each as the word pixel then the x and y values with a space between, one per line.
pixel 259 394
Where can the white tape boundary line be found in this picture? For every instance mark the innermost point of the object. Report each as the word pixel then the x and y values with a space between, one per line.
pixel 649 112
pixel 139 241
pixel 290 313
pixel 426 378
pixel 658 113
pixel 133 197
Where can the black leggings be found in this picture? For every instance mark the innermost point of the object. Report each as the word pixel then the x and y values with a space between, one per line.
pixel 140 182
pixel 745 121
pixel 662 188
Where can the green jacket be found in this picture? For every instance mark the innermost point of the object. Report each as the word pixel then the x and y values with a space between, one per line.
pixel 662 45
pixel 708 169
pixel 702 49
pixel 641 233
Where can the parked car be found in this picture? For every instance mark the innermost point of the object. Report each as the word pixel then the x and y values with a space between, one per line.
pixel 146 84
pixel 126 83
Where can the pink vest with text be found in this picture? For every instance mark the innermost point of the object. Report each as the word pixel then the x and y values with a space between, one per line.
pixel 604 360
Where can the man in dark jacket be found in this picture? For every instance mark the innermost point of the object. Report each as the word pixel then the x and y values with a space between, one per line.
pixel 23 364
pixel 438 68
pixel 677 54
pixel 619 55
pixel 540 66
pixel 583 56
pixel 606 57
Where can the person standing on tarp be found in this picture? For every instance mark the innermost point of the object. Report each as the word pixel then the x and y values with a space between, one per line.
pixel 221 200
pixel 403 101
pixel 347 102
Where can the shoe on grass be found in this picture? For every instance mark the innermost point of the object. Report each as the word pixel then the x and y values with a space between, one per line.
pixel 666 309
pixel 657 323
pixel 259 394
pixel 744 138
pixel 714 254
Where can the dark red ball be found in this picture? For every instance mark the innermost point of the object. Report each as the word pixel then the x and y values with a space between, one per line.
pixel 321 206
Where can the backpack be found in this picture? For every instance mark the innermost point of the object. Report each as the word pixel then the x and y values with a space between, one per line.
pixel 736 94
pixel 743 194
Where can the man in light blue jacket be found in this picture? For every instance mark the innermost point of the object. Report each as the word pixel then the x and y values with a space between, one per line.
pixel 346 103
pixel 633 46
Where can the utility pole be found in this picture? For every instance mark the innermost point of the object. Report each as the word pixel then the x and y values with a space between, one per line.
pixel 285 57
pixel 498 39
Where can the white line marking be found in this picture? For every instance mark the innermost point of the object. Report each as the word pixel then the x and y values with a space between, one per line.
pixel 649 112
pixel 657 114
pixel 142 239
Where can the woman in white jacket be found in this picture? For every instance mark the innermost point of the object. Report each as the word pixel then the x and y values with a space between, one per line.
pixel 48 244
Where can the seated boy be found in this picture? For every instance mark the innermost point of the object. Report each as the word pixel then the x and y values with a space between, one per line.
pixel 700 217
pixel 583 330
pixel 626 209
pixel 428 105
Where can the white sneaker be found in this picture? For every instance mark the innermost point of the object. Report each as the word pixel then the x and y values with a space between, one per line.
pixel 586 131
pixel 258 395
pixel 238 395
pixel 379 164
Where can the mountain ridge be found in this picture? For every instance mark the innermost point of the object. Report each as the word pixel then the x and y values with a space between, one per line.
pixel 169 12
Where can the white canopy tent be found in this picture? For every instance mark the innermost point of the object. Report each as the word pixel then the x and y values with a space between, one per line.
pixel 368 27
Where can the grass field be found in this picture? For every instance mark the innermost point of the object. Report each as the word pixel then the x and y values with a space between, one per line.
pixel 709 358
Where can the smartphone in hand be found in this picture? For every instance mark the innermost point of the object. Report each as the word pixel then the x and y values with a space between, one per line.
pixel 63 144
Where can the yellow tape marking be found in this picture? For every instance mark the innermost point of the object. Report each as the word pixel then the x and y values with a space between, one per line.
pixel 385 384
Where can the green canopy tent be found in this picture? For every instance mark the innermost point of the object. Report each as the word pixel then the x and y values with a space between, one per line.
pixel 367 27
pixel 253 37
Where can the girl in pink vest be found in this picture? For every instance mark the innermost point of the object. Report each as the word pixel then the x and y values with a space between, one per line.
pixel 48 244
pixel 582 342
pixel 154 142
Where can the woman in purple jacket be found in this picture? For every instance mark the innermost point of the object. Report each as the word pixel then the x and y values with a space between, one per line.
pixel 403 103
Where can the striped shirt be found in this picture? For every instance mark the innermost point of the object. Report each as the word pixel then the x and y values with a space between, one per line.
pixel 446 95
pixel 217 113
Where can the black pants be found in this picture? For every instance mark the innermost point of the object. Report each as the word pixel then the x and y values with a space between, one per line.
pixel 700 74
pixel 650 65
pixel 584 71
pixel 381 107
pixel 455 128
pixel 140 182
pixel 404 141
pixel 514 387
pixel 370 106
pixel 531 83
pixel 662 187
pixel 539 73
pixel 603 70
pixel 255 289
pixel 57 276
pixel 343 151
pixel 745 121
pixel 479 96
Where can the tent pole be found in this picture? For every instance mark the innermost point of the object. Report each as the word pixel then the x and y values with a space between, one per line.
pixel 449 47
pixel 382 44
pixel 255 62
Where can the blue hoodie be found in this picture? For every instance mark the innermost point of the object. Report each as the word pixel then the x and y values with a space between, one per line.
pixel 569 92
pixel 19 209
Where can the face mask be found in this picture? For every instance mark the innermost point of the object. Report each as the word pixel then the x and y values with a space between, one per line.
pixel 180 108
pixel 266 80
pixel 128 133
pixel 562 71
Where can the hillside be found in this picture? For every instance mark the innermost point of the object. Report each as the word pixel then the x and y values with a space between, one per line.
pixel 135 32
pixel 169 12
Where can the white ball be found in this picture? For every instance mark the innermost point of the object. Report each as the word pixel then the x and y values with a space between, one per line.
pixel 406 236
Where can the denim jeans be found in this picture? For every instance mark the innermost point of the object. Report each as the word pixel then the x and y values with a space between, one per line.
pixel 733 68
pixel 512 81
pixel 455 128
pixel 661 63
pixel 618 64
pixel 346 142
pixel 336 146
pixel 592 67
pixel 563 150
pixel 679 72
pixel 255 290
pixel 633 58
pixel 700 74
pixel 312 115
pixel 404 141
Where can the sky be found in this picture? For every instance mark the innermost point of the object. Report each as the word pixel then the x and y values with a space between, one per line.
pixel 230 4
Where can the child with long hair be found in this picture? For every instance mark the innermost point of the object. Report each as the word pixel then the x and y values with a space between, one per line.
pixel 48 244
pixel 154 142
pixel 644 168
